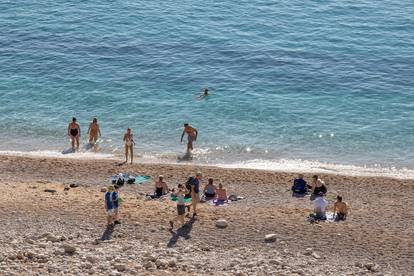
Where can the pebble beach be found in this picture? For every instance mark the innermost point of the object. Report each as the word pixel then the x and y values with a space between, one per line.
pixel 52 221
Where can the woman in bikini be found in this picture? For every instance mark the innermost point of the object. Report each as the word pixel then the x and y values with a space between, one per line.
pixel 74 133
pixel 94 131
pixel 129 145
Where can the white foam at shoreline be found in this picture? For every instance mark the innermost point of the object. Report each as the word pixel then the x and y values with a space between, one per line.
pixel 57 154
pixel 304 166
pixel 282 165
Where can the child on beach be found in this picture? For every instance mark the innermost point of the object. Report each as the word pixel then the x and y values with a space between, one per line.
pixel 116 200
pixel 109 205
pixel 340 208
pixel 180 205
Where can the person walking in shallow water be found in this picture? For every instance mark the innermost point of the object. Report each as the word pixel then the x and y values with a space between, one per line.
pixel 94 131
pixel 192 134
pixel 74 133
pixel 129 145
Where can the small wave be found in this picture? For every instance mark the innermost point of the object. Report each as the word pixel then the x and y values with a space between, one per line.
pixel 57 154
pixel 304 166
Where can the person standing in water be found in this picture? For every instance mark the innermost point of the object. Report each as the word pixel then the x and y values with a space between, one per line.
pixel 74 133
pixel 94 131
pixel 192 134
pixel 129 145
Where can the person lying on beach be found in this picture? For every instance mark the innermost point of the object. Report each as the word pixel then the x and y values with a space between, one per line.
pixel 109 205
pixel 181 191
pixel 129 145
pixel 319 208
pixel 221 194
pixel 94 131
pixel 340 208
pixel 116 200
pixel 300 187
pixel 74 133
pixel 161 187
pixel 192 134
pixel 318 186
pixel 210 189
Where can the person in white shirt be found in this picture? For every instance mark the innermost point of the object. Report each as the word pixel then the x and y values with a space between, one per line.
pixel 319 207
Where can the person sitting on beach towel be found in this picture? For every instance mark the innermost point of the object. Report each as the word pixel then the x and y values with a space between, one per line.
pixel 180 205
pixel 221 194
pixel 319 208
pixel 300 187
pixel 210 189
pixel 340 208
pixel 120 180
pixel 161 187
pixel 109 205
pixel 318 186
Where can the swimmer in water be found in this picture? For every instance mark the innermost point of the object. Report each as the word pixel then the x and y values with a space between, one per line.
pixel 205 94
pixel 129 145
pixel 192 134
pixel 74 133
pixel 94 131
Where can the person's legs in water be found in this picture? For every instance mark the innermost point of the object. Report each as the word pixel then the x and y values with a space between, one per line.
pixel 77 142
pixel 132 153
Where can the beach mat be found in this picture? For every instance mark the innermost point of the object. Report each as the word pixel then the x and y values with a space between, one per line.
pixel 217 203
pixel 186 200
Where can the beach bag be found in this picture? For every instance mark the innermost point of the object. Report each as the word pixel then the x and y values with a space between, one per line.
pixel 131 180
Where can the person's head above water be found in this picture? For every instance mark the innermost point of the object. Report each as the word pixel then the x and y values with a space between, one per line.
pixel 94 120
pixel 206 91
pixel 339 198
pixel 73 119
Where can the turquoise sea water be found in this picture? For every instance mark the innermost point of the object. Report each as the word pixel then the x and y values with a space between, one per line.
pixel 294 80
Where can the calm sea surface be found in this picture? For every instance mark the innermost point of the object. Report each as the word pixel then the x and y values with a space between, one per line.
pixel 323 81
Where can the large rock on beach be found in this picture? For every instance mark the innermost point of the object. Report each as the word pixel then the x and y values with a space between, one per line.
pixel 221 223
pixel 270 238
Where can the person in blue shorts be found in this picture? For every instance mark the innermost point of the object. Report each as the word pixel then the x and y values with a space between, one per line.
pixel 109 205
pixel 116 199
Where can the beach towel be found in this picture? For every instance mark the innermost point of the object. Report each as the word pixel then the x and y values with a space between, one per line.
pixel 186 200
pixel 141 179
pixel 219 203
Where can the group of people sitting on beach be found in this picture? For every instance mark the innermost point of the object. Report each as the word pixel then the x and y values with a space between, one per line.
pixel 318 191
pixel 94 132
pixel 188 192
